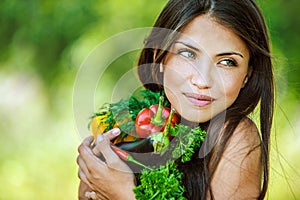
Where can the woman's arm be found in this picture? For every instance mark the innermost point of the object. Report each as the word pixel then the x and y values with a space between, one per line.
pixel 238 175
pixel 109 179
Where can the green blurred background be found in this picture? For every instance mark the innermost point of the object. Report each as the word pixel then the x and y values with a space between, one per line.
pixel 42 45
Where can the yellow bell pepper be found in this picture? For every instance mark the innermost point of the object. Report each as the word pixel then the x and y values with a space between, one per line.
pixel 98 125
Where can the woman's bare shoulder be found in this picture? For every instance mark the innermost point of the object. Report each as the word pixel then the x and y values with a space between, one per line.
pixel 238 173
pixel 245 135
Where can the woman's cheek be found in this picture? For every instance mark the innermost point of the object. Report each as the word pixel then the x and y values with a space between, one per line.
pixel 232 90
pixel 172 77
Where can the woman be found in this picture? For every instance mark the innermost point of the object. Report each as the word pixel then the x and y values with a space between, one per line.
pixel 215 72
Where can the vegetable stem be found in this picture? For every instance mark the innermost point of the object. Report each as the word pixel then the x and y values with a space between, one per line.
pixel 127 157
pixel 131 159
pixel 158 119
pixel 167 127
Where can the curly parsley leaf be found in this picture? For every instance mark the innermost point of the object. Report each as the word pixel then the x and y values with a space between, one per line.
pixel 162 183
pixel 186 141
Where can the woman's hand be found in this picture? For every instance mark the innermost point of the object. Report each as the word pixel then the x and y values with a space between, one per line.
pixel 106 178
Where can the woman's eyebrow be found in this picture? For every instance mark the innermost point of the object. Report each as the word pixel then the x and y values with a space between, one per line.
pixel 218 55
pixel 188 45
pixel 231 53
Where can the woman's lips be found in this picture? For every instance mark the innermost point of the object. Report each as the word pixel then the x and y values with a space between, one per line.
pixel 199 99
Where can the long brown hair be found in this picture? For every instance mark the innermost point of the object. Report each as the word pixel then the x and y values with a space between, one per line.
pixel 246 20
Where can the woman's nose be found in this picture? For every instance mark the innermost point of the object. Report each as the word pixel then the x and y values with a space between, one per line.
pixel 200 82
pixel 201 76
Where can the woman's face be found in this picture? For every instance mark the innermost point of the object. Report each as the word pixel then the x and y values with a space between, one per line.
pixel 205 69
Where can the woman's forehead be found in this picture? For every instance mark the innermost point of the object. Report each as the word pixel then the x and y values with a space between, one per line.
pixel 203 32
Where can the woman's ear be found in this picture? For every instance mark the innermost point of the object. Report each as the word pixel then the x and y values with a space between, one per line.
pixel 245 81
pixel 247 76
pixel 250 70
pixel 154 55
pixel 155 59
pixel 161 68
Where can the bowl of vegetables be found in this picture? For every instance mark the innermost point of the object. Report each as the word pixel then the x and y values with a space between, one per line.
pixel 152 141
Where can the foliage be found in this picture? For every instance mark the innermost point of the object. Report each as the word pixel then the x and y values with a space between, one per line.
pixel 160 184
pixel 46 28
pixel 123 113
pixel 188 141
pixel 284 29
pixel 165 182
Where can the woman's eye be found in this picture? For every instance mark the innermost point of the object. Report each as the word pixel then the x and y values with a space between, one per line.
pixel 187 54
pixel 228 62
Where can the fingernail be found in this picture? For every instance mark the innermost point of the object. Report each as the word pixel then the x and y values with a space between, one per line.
pixel 100 138
pixel 116 131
